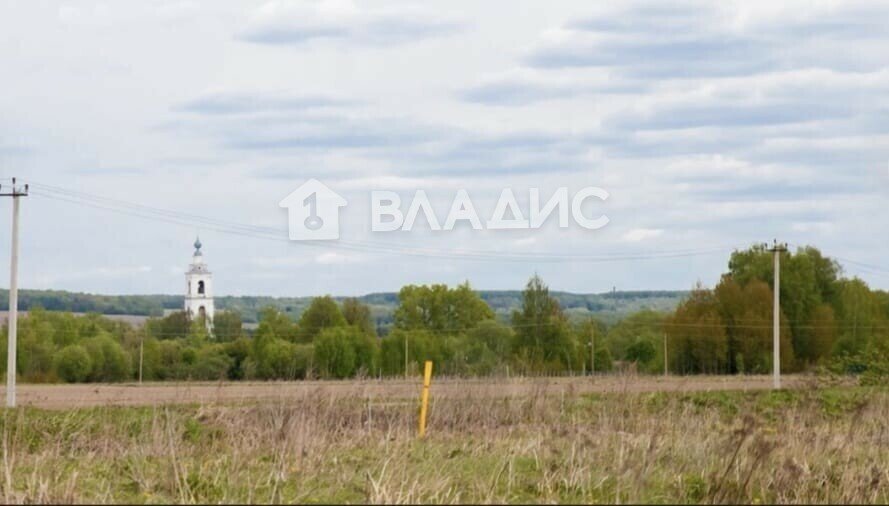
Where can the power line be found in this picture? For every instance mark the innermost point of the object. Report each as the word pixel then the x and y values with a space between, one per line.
pixel 867 267
pixel 151 212
pixel 766 325
pixel 267 233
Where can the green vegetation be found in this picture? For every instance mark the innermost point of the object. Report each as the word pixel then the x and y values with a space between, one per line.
pixel 829 322
pixel 608 307
pixel 706 447
pixel 826 319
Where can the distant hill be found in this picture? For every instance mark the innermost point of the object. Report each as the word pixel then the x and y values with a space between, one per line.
pixel 610 306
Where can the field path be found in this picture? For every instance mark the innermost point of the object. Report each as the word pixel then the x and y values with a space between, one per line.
pixel 131 394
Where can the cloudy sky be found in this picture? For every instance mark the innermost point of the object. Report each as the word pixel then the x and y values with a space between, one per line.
pixel 711 125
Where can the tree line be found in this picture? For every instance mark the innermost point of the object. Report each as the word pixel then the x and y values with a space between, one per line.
pixel 609 306
pixel 826 320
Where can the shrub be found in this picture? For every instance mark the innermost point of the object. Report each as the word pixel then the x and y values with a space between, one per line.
pixel 604 362
pixel 73 364
pixel 110 363
pixel 212 363
pixel 335 352
pixel 303 358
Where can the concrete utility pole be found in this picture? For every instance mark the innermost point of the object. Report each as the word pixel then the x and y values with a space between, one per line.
pixel 15 193
pixel 776 250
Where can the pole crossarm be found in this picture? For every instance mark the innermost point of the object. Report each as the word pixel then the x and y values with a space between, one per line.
pixel 14 191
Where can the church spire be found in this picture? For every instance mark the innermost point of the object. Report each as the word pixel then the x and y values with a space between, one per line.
pixel 199 288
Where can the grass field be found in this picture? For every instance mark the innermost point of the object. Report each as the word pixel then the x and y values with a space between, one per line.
pixel 613 440
pixel 131 394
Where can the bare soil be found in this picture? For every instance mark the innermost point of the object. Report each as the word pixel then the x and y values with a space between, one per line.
pixel 132 394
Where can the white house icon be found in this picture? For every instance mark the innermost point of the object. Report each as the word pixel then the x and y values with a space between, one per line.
pixel 313 212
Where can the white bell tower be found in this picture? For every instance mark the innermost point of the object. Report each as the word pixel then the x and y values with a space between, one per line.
pixel 199 288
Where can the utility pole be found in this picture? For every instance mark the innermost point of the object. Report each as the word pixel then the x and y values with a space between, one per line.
pixel 141 348
pixel 666 370
pixel 405 356
pixel 776 250
pixel 15 193
pixel 592 348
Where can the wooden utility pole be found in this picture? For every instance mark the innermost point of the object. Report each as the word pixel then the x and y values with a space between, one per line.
pixel 141 349
pixel 15 193
pixel 592 349
pixel 776 250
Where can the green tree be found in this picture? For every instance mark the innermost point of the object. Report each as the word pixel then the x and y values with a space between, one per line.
pixel 303 360
pixel 321 314
pixel 274 324
pixel 227 326
pixel 641 352
pixel 274 360
pixel 544 341
pixel 421 346
pixel 638 333
pixel 238 351
pixel 65 329
pixel 440 309
pixel 170 364
pixel 467 356
pixel 173 326
pixel 152 368
pixel 495 336
pixel 604 362
pixel 858 312
pixel 696 335
pixel 335 355
pixel 73 364
pixel 808 280
pixel 109 362
pixel 824 332
pixel 212 363
pixel 591 332
pixel 751 331
pixel 358 315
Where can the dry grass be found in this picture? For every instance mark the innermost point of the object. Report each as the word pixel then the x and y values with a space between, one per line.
pixel 805 445
pixel 151 394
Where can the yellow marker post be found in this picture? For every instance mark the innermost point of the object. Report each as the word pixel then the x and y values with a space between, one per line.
pixel 424 404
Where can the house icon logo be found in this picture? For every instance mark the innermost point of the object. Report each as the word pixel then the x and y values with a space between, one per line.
pixel 313 212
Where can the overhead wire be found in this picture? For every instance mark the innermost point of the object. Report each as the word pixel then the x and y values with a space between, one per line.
pixel 222 226
pixel 124 207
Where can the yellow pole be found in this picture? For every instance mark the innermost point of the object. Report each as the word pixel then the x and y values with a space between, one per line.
pixel 424 405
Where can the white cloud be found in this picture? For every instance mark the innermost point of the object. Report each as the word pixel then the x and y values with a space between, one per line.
pixel 334 258
pixel 92 274
pixel 819 227
pixel 525 241
pixel 279 262
pixel 641 234
pixel 714 123
pixel 301 22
